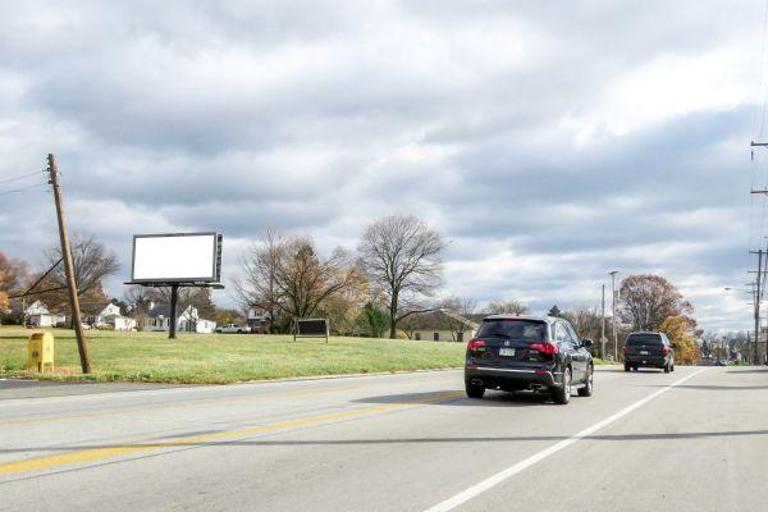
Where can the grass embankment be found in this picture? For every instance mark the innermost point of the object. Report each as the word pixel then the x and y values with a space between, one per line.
pixel 222 358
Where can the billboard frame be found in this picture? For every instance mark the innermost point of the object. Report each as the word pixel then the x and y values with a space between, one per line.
pixel 175 283
pixel 215 270
pixel 297 328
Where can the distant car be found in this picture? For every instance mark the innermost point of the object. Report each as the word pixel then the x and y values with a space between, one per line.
pixel 233 329
pixel 514 353
pixel 721 362
pixel 648 350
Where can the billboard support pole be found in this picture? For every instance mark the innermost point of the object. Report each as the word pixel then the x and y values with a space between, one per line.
pixel 174 301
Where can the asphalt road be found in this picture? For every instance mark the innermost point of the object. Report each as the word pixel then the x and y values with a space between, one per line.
pixel 693 440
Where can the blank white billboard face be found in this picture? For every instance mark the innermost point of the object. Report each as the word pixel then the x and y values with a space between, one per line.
pixel 174 258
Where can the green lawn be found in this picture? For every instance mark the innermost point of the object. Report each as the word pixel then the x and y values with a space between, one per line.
pixel 221 358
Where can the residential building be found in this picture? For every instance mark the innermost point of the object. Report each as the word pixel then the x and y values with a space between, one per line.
pixel 38 315
pixel 111 315
pixel 441 325
pixel 158 319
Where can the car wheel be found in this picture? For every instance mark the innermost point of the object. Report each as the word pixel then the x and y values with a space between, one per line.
pixel 562 395
pixel 673 366
pixel 474 391
pixel 626 367
pixel 666 368
pixel 588 383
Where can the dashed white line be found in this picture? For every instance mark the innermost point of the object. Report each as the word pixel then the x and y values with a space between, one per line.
pixel 494 480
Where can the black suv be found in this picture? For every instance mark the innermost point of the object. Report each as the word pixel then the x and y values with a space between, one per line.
pixel 524 352
pixel 648 349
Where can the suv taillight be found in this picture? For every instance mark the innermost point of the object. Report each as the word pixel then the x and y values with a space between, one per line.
pixel 545 347
pixel 474 345
pixel 665 350
pixel 624 349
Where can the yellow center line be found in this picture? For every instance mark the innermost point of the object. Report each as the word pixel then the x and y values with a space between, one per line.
pixel 92 455
pixel 190 403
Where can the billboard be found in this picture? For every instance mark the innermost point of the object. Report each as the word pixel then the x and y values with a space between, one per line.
pixel 177 258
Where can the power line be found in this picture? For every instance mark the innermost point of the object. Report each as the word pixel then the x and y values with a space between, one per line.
pixel 37 186
pixel 20 177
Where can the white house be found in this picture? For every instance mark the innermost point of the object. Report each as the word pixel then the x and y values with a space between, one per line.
pixel 158 319
pixel 257 320
pixel 111 315
pixel 38 315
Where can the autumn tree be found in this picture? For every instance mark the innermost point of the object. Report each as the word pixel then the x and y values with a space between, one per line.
pixel 681 331
pixel 229 316
pixel 15 275
pixel 511 306
pixel 647 300
pixel 4 301
pixel 402 255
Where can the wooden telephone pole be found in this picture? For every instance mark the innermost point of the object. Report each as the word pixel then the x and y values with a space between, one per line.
pixel 66 253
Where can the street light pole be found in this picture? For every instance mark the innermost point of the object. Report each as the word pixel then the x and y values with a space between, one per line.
pixel 602 326
pixel 613 316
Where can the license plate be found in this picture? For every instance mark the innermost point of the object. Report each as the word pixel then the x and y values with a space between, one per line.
pixel 508 352
pixel 643 352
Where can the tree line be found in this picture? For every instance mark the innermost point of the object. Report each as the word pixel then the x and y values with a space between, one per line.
pixel 380 289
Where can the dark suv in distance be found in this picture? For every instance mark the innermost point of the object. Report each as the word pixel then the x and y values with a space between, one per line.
pixel 650 350
pixel 513 353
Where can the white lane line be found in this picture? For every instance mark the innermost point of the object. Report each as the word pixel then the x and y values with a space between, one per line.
pixel 489 483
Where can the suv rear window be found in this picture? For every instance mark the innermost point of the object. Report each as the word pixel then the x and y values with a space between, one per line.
pixel 644 339
pixel 516 330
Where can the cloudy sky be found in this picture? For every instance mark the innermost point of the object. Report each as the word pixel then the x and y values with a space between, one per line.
pixel 550 142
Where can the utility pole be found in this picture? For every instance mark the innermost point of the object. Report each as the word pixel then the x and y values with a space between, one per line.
pixel 66 253
pixel 757 296
pixel 602 326
pixel 613 315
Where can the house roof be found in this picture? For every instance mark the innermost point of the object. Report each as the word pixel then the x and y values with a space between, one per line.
pixel 160 309
pixel 441 320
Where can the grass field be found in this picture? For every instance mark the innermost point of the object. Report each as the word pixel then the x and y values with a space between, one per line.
pixel 221 358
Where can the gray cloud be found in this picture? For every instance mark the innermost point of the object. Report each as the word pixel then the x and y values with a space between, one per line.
pixel 550 143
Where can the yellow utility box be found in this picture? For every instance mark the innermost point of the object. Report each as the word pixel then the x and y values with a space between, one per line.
pixel 40 349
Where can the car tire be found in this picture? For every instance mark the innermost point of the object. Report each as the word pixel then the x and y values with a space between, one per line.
pixel 589 387
pixel 626 367
pixel 666 368
pixel 562 395
pixel 474 391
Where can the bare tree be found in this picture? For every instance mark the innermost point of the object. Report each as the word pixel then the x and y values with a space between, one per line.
pixel 500 307
pixel 401 254
pixel 258 288
pixel 587 321
pixel 458 311
pixel 286 277
pixel 92 263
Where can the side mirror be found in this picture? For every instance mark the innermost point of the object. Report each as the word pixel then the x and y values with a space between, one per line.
pixel 586 342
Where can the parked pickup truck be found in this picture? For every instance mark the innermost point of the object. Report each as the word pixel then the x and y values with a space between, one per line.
pixel 233 329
